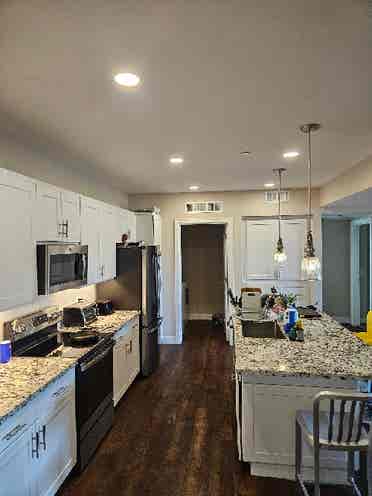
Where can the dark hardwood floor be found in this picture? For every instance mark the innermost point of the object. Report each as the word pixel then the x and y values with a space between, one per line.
pixel 174 433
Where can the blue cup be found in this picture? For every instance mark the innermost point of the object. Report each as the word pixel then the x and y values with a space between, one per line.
pixel 292 315
pixel 5 351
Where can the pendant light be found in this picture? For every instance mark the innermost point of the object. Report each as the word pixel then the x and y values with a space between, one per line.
pixel 279 256
pixel 310 267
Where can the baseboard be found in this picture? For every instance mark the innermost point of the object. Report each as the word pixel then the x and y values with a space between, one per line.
pixel 170 340
pixel 199 316
pixel 288 472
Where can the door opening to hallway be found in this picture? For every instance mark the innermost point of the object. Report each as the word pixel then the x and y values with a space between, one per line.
pixel 203 274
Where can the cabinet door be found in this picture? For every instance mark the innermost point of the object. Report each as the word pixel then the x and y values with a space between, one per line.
pixel 47 218
pixel 120 368
pixel 133 355
pixel 131 218
pixel 259 240
pixel 17 250
pixel 57 431
pixel 90 235
pixel 121 223
pixel 70 214
pixel 293 234
pixel 108 235
pixel 16 467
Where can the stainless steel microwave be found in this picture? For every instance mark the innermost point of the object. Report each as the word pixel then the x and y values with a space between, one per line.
pixel 61 266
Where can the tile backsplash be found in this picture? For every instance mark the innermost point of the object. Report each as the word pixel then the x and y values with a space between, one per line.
pixel 62 298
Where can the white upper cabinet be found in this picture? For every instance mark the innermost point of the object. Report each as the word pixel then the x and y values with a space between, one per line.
pixel 17 250
pixel 148 227
pixel 259 240
pixel 131 226
pixel 56 214
pixel 293 235
pixel 90 235
pixel 108 237
pixel 70 215
pixel 47 213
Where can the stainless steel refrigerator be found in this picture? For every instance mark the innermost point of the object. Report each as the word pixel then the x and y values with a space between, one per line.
pixel 138 276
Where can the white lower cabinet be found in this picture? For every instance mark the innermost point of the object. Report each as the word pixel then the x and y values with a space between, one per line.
pixel 266 429
pixel 38 444
pixel 126 358
pixel 57 444
pixel 16 465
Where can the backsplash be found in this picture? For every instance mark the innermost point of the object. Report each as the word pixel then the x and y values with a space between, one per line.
pixel 62 298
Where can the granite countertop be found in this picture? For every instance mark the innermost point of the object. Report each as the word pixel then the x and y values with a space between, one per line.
pixel 22 378
pixel 107 323
pixel 329 350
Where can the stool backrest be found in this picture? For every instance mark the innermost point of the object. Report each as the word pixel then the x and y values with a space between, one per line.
pixel 352 407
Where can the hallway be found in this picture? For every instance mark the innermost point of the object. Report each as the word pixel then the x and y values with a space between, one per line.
pixel 174 433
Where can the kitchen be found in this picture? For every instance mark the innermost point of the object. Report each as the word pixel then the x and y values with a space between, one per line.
pixel 122 124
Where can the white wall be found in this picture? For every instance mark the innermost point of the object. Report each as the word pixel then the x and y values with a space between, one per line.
pixel 236 205
pixel 336 268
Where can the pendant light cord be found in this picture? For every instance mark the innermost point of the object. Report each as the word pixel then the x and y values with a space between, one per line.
pixel 309 180
pixel 279 202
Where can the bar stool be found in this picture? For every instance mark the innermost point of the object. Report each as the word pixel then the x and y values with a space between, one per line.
pixel 342 430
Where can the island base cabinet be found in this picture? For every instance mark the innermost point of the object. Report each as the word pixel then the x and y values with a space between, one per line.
pixel 266 431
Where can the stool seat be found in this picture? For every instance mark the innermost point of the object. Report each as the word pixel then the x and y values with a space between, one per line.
pixel 306 419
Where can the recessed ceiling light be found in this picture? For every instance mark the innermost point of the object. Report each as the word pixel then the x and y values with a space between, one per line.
pixel 269 185
pixel 246 152
pixel 176 160
pixel 194 188
pixel 127 79
pixel 291 154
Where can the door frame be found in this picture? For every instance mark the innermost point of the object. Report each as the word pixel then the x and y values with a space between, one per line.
pixel 229 263
pixel 354 268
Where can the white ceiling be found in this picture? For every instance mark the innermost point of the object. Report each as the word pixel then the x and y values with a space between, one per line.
pixel 218 78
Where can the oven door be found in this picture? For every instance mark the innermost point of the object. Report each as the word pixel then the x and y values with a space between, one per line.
pixel 61 266
pixel 94 387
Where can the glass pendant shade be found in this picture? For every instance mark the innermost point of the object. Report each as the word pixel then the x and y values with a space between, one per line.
pixel 310 266
pixel 280 256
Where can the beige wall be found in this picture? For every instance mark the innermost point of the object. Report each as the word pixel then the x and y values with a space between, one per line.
pixel 336 267
pixel 203 267
pixel 236 204
pixel 358 178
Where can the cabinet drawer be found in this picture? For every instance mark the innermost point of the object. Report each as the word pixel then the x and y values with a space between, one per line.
pixel 58 392
pixel 13 429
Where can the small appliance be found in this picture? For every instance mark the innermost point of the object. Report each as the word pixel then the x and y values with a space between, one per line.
pixel 105 307
pixel 79 314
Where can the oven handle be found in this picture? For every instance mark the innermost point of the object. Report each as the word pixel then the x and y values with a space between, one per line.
pixel 87 365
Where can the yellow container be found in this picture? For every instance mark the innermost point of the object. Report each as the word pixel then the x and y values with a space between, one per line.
pixel 366 337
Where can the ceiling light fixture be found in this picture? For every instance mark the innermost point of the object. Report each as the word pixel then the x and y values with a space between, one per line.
pixel 127 79
pixel 269 185
pixel 291 154
pixel 194 188
pixel 310 266
pixel 280 256
pixel 246 152
pixel 177 160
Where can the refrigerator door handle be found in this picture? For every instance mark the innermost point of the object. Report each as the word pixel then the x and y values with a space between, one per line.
pixel 154 328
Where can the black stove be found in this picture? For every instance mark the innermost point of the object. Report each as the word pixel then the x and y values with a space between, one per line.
pixel 39 335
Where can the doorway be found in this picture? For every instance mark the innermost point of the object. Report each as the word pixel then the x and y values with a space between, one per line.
pixel 361 264
pixel 203 271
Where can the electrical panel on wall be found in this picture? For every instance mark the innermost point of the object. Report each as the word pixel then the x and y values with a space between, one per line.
pixel 273 197
pixel 204 207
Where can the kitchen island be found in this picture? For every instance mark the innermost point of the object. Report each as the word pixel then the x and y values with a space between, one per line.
pixel 277 377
